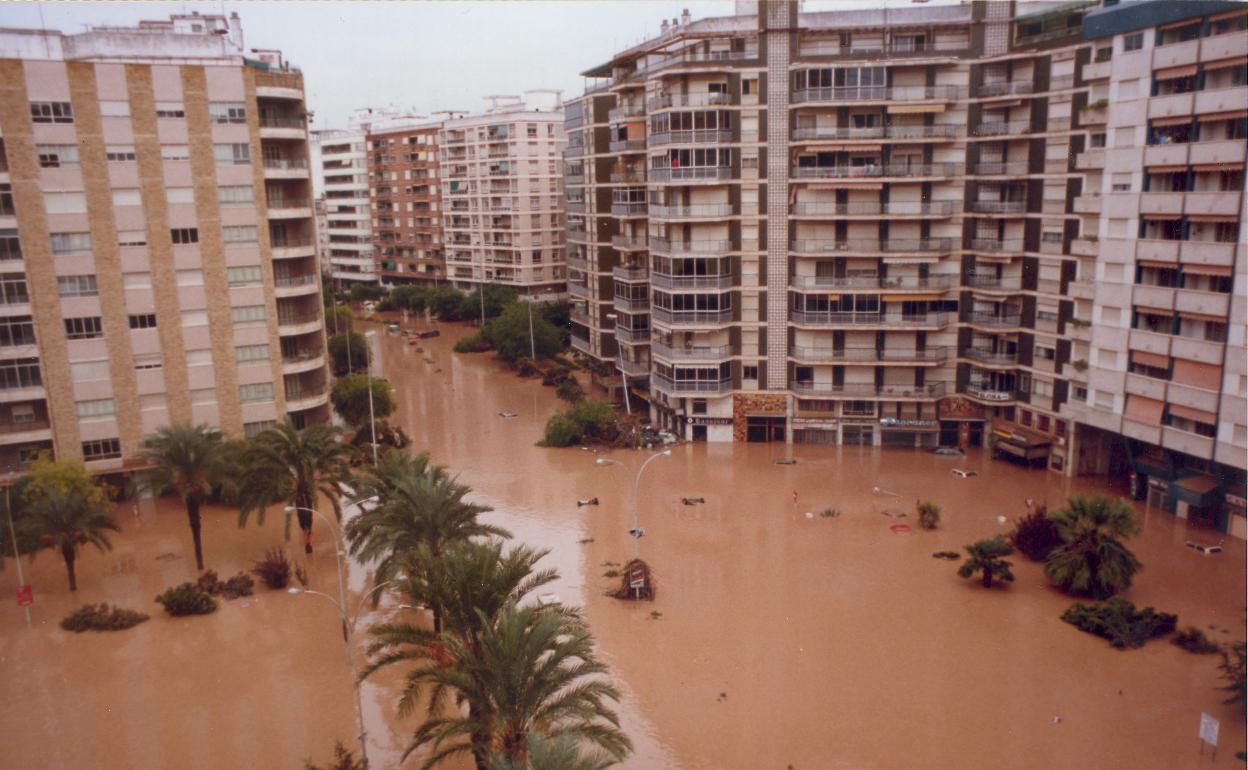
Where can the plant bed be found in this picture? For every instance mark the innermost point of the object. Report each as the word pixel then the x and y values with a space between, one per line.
pixel 274 569
pixel 1194 641
pixel 239 585
pixel 1118 621
pixel 102 617
pixel 186 599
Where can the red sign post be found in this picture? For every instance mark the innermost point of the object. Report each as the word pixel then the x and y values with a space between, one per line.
pixel 25 596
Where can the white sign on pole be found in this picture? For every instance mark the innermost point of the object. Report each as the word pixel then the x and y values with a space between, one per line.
pixel 1208 729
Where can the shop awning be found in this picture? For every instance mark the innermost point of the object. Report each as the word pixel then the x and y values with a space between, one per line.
pixel 1145 358
pixel 1220 270
pixel 1178 120
pixel 1188 22
pixel 1194 414
pixel 1200 490
pixel 1144 410
pixel 908 109
pixel 1154 466
pixel 1225 15
pixel 1169 73
pixel 824 148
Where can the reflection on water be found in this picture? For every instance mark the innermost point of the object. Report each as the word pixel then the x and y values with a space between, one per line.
pixel 780 639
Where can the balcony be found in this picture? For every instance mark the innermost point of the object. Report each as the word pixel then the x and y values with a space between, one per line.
pixel 688 387
pixel 895 48
pixel 868 390
pixel 628 145
pixel 691 136
pixel 574 151
pixel 691 174
pixel 934 355
pixel 628 176
pixel 622 113
pixel 873 208
pixel 580 343
pixel 634 209
pixel 869 133
pixel 633 368
pixel 691 318
pixel 630 273
pixel 1012 245
pixel 993 283
pixel 702 211
pixel 299 361
pixel 874 172
pixel 834 318
pixel 997 207
pixel 19 432
pixel 822 246
pixel 631 304
pixel 1005 88
pixel 683 282
pixel 989 394
pixel 302 400
pixel 1002 128
pixel 290 324
pixel 578 290
pixel 632 336
pixel 704 99
pixel 871 282
pixel 285 168
pixel 691 352
pixel 700 246
pixel 289 208
pixel 295 285
pixel 1001 168
pixel 876 94
pixel 283 128
pixel 576 263
pixel 992 320
pixel 629 242
pixel 990 357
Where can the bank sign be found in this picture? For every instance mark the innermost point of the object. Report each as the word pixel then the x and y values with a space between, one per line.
pixel 708 420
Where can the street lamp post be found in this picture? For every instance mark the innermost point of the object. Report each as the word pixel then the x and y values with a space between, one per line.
pixel 636 532
pixel 17 557
pixel 368 359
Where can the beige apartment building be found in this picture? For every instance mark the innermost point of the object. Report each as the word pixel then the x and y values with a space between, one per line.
pixel 929 225
pixel 405 187
pixel 340 163
pixel 156 239
pixel 501 192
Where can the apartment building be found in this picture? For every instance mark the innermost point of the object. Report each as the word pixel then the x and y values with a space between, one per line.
pixel 879 226
pixel 405 190
pixel 502 206
pixel 341 165
pixel 156 239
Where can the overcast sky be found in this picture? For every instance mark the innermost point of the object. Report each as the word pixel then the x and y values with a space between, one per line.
pixel 426 56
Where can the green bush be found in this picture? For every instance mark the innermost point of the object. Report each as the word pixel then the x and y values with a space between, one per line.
pixel 473 343
pixel 415 298
pixel 1118 621
pixel 274 569
pixel 570 390
pixel 555 375
pixel 101 617
pixel 929 514
pixel 346 346
pixel 343 760
pixel 350 399
pixel 363 292
pixel 186 599
pixel 595 418
pixel 239 585
pixel 1035 535
pixel 561 431
pixel 509 334
pixel 525 367
pixel 1194 641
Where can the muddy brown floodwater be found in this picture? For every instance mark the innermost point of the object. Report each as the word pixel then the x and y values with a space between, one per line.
pixel 775 640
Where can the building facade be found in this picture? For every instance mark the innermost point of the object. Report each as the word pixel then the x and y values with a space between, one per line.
pixel 159 254
pixel 405 187
pixel 884 227
pixel 502 203
pixel 342 167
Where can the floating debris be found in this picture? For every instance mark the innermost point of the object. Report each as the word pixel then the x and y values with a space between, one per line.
pixel 965 474
pixel 692 500
pixel 655 615
pixel 637 582
pixel 590 501
pixel 901 529
pixel 584 540
pixel 508 415
pixel 168 557
pixel 946 555
pixel 784 461
pixel 829 513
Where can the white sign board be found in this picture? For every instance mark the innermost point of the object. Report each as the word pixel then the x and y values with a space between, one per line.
pixel 1208 729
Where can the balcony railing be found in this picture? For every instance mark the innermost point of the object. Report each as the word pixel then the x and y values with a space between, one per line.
pixel 698 211
pixel 839 318
pixel 628 145
pixel 691 352
pixel 691 136
pixel 629 273
pixel 990 357
pixel 578 290
pixel 631 303
pixel 701 246
pixel 873 171
pixel 294 280
pixel 628 209
pixel 633 368
pixel 285 163
pixel 289 203
pixel 894 47
pixel 873 208
pixel 877 132
pixel 867 355
pixel 998 207
pixel 1002 128
pixel 629 242
pixel 869 390
pixel 993 282
pixel 704 99
pixel 871 282
pixel 992 319
pixel 875 93
pixel 662 281
pixel 631 176
pixel 691 317
pixel 279 122
pixel 668 385
pixel 826 245
pixel 635 336
pixel 1005 88
pixel 625 111
pixel 994 245
pixel 691 174
pixel 987 393
pixel 8 428
pixel 1001 167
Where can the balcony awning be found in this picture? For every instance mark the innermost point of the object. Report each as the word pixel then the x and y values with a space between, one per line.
pixel 1220 270
pixel 911 297
pixel 1178 120
pixel 1142 308
pixel 824 148
pixel 909 109
pixel 1192 413
pixel 1166 169
pixel 1161 217
pixel 1200 490
pixel 1187 22
pixel 1169 73
pixel 1145 410
pixel 1225 15
pixel 1157 467
pixel 847 183
pixel 1156 264
pixel 864 148
pixel 1202 316
pixel 911 260
pixel 1196 374
pixel 1217 167
pixel 1212 218
pixel 1150 359
pixel 1221 64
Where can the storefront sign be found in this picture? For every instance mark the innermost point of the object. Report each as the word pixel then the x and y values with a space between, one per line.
pixel 810 422
pixel 1236 501
pixel 708 420
pixel 899 422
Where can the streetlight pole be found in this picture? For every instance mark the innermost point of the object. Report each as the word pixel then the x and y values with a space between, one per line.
pixel 532 341
pixel 636 484
pixel 368 359
pixel 17 557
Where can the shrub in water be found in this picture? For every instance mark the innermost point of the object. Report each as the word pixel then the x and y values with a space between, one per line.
pixel 473 343
pixel 1118 621
pixel 1194 640
pixel 101 617
pixel 343 760
pixel 274 569
pixel 570 390
pixel 1035 535
pixel 555 375
pixel 186 599
pixel 560 431
pixel 929 514
pixel 526 368
pixel 239 585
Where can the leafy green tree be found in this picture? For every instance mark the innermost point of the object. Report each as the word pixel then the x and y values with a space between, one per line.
pixel 348 353
pixel 67 517
pixel 350 398
pixel 987 558
pixel 291 466
pixel 414 298
pixel 365 292
pixel 497 299
pixel 445 302
pixel 1091 561
pixel 509 334
pixel 189 461
pixel 586 420
pixel 338 320
pixel 1233 672
pixel 563 752
pixel 929 514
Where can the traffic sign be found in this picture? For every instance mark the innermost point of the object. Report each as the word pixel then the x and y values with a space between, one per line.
pixel 25 596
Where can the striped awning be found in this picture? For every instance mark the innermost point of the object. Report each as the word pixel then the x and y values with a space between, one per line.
pixel 1150 359
pixel 1218 167
pixel 1191 413
pixel 1221 64
pixel 907 109
pixel 1197 374
pixel 1169 73
pixel 1177 120
pixel 1166 169
pixel 1145 410
pixel 1156 264
pixel 1202 316
pixel 1212 218
pixel 1218 270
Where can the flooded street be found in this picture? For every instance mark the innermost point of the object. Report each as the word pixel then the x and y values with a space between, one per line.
pixel 776 640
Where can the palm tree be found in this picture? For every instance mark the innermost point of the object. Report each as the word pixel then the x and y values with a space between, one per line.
pixel 1091 561
pixel 189 460
pixel 563 752
pixel 985 557
pixel 532 670
pixel 65 519
pixel 419 506
pixel 288 465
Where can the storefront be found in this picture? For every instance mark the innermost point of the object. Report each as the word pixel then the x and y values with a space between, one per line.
pixel 808 430
pixel 701 428
pixel 961 422
pixel 1198 498
pixel 1020 445
pixel 908 432
pixel 858 434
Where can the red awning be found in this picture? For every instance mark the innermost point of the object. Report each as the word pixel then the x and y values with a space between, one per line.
pixel 1169 73
pixel 1156 264
pixel 1150 359
pixel 1202 316
pixel 1210 117
pixel 1145 410
pixel 1178 120
pixel 1221 64
pixel 1199 415
pixel 1212 218
pixel 1197 374
pixel 1219 270
pixel 1166 169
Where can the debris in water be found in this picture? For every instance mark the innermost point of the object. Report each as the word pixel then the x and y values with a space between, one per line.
pixel 784 461
pixel 810 515
pixel 1205 548
pixel 964 473
pixel 692 500
pixel 508 415
pixel 637 582
pixel 723 696
pixel 879 491
pixel 829 513
pixel 900 529
pixel 1056 720
pixel 611 573
pixel 946 555
pixel 584 540
pixel 590 501
pixel 655 615
pixel 168 557
pixel 1000 519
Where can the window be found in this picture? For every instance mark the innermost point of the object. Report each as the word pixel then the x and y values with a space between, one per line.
pixel 199 357
pixel 10 245
pixel 244 276
pixel 239 234
pixel 101 449
pixel 77 286
pixel 180 194
pixel 532 130
pixel 184 235
pixel 1121 182
pixel 146 361
pixel 143 321
pixel 57 155
pixel 249 353
pixel 98 409
pixel 6 200
pixel 253 429
pixel 131 238
pixel 170 110
pixel 260 391
pixel 240 195
pixel 227 154
pixel 227 112
pixel 1096 140
pixel 175 152
pixel 87 328
pixel 749 372
pixel 127 198
pixel 194 318
pixel 204 396
pixel 51 112
pixel 152 401
pixel 112 109
pixel 64 244
pixel 1133 42
pixel 1124 137
pixel 20 373
pixel 88 371
pixel 247 315
pixel 65 202
pixel 119 153
pixel 1103 54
